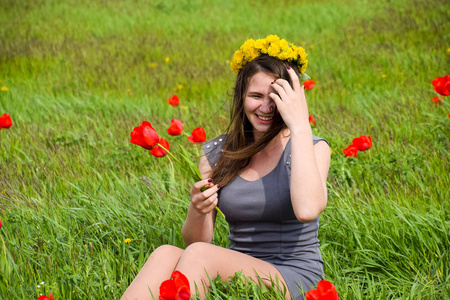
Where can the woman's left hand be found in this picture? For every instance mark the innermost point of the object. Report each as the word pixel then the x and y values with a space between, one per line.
pixel 291 102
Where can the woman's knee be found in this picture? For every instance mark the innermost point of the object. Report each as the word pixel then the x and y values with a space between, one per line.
pixel 166 252
pixel 198 252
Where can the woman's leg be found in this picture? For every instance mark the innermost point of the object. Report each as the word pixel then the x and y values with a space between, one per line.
pixel 159 267
pixel 200 259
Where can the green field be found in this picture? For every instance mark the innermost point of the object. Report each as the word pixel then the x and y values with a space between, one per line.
pixel 82 74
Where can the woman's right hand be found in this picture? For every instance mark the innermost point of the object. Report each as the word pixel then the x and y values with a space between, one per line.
pixel 204 201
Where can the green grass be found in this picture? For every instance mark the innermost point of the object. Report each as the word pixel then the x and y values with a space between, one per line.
pixel 82 74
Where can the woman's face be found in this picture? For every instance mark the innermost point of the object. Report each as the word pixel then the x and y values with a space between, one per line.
pixel 258 106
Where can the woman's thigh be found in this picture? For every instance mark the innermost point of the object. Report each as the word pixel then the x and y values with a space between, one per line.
pixel 201 260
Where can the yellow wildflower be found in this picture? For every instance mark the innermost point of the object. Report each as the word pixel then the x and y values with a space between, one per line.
pixel 4 89
pixel 128 91
pixel 331 151
pixel 384 75
pixel 448 50
pixel 127 241
pixel 167 59
pixel 180 86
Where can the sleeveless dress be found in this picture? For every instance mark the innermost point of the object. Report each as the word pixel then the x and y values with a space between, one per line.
pixel 263 224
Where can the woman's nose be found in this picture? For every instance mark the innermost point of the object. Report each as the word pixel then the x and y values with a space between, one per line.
pixel 267 106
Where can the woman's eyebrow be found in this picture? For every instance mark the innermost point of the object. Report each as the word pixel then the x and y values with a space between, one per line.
pixel 254 93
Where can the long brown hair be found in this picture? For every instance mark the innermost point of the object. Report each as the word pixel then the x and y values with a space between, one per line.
pixel 240 144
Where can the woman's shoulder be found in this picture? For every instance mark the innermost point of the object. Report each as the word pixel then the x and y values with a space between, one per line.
pixel 213 148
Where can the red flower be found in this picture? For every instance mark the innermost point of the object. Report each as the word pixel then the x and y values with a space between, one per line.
pixel 198 135
pixel 158 151
pixel 174 100
pixel 176 288
pixel 325 291
pixel 309 84
pixel 312 120
pixel 5 121
pixel 436 100
pixel 442 85
pixel 176 127
pixel 1 224
pixel 351 151
pixel 43 297
pixel 144 135
pixel 362 143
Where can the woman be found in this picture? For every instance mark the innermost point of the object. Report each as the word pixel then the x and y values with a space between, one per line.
pixel 269 172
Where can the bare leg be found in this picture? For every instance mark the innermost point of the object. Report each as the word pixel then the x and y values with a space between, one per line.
pixel 159 267
pixel 201 257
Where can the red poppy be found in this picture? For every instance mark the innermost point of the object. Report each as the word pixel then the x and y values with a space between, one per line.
pixel 43 297
pixel 176 288
pixel 5 121
pixel 1 224
pixel 158 151
pixel 176 127
pixel 351 151
pixel 312 120
pixel 325 291
pixel 436 100
pixel 144 135
pixel 174 100
pixel 309 84
pixel 198 135
pixel 362 143
pixel 442 85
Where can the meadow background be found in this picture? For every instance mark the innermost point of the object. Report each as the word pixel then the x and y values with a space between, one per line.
pixel 82 74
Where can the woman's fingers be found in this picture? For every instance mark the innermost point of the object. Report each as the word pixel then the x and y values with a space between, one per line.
pixel 294 78
pixel 204 200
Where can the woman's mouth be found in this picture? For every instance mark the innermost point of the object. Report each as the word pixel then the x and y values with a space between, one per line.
pixel 264 119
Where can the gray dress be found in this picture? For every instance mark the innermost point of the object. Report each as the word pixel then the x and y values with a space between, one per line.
pixel 263 224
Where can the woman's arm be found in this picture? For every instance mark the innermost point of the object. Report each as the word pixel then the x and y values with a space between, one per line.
pixel 309 163
pixel 309 170
pixel 199 223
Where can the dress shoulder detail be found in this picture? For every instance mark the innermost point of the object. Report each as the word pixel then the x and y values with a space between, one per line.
pixel 213 149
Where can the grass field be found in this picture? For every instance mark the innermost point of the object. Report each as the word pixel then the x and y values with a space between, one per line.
pixel 82 74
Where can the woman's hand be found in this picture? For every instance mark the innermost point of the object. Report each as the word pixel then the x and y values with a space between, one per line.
pixel 291 102
pixel 204 201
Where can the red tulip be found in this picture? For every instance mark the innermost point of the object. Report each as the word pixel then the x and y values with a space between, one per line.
pixel 442 85
pixel 176 127
pixel 176 288
pixel 351 151
pixel 174 100
pixel 43 297
pixel 362 143
pixel 436 100
pixel 5 121
pixel 309 84
pixel 325 291
pixel 312 120
pixel 198 135
pixel 158 151
pixel 1 224
pixel 144 135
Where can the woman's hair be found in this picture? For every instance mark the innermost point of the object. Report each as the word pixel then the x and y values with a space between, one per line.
pixel 240 144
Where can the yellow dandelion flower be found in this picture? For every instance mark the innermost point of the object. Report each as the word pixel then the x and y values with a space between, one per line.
pixel 185 108
pixel 128 91
pixel 331 151
pixel 448 50
pixel 384 75
pixel 371 126
pixel 152 65
pixel 180 86
pixel 167 59
pixel 274 49
pixel 85 245
pixel 4 89
pixel 127 241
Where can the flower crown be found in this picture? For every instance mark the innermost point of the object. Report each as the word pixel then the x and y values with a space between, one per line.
pixel 273 46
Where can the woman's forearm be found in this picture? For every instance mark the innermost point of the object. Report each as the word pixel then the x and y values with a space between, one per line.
pixel 198 227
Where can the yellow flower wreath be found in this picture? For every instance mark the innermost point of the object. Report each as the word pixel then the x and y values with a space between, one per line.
pixel 273 46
